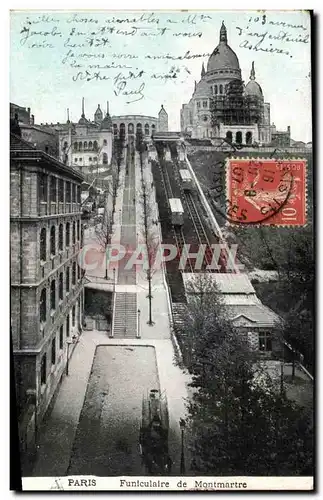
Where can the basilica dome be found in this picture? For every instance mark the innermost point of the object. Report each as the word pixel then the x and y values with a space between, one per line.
pixel 253 88
pixel 223 57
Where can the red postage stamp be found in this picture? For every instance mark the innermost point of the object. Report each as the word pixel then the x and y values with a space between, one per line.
pixel 266 191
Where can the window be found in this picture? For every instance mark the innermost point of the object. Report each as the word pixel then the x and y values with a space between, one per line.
pixel 68 325
pixel 73 193
pixel 80 146
pixel 91 145
pixel 147 129
pixel 198 104
pixel 130 128
pixel 105 142
pixel 61 190
pixel 221 89
pixel 67 234
pixel 42 183
pixel 239 137
pixel 94 158
pixel 115 129
pixel 229 136
pixel 53 189
pixel 215 89
pixel 249 138
pixel 95 145
pixel 204 104
pixel 75 160
pixel 153 128
pixel 61 337
pixel 43 369
pixel 60 237
pixel 74 232
pixel 265 341
pixel 73 315
pixel 74 273
pixel 53 295
pixel 90 159
pixel 53 240
pixel 78 194
pixel 43 245
pixel 105 158
pixel 54 350
pixel 191 118
pixel 43 306
pixel 75 146
pixel 80 159
pixel 67 279
pixel 85 145
pixel 68 192
pixel 65 145
pixel 61 286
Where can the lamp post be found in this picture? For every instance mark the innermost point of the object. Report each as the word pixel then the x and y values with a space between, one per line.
pixel 73 340
pixel 182 427
pixel 138 324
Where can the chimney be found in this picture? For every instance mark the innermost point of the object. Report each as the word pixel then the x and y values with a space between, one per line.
pixel 288 130
pixel 107 107
pixel 32 120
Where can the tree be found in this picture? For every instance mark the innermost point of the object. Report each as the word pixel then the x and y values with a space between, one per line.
pixel 237 424
pixel 103 234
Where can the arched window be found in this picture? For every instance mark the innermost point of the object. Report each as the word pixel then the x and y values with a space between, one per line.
pixel 53 240
pixel 91 145
pixel 153 127
pixel 139 127
pixel 146 129
pixel 130 128
pixel 95 145
pixel 229 136
pixel 68 325
pixel 61 337
pixel 85 145
pixel 67 279
pixel 249 138
pixel 61 286
pixel 54 350
pixel 221 89
pixel 104 158
pixel 43 245
pixel 53 295
pixel 75 146
pixel 115 129
pixel 105 142
pixel 74 273
pixel 239 137
pixel 80 146
pixel 65 145
pixel 43 306
pixel 74 232
pixel 73 315
pixel 60 237
pixel 67 234
pixel 43 369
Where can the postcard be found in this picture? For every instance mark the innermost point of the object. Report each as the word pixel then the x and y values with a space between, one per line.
pixel 162 250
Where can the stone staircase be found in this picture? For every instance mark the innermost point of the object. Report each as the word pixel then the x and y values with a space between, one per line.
pixel 125 316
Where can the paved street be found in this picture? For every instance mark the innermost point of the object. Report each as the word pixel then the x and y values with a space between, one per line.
pixel 106 441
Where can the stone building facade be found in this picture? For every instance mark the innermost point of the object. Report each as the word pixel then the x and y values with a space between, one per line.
pixel 46 281
pixel 87 145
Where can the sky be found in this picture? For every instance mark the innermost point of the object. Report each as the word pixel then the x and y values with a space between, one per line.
pixel 44 45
